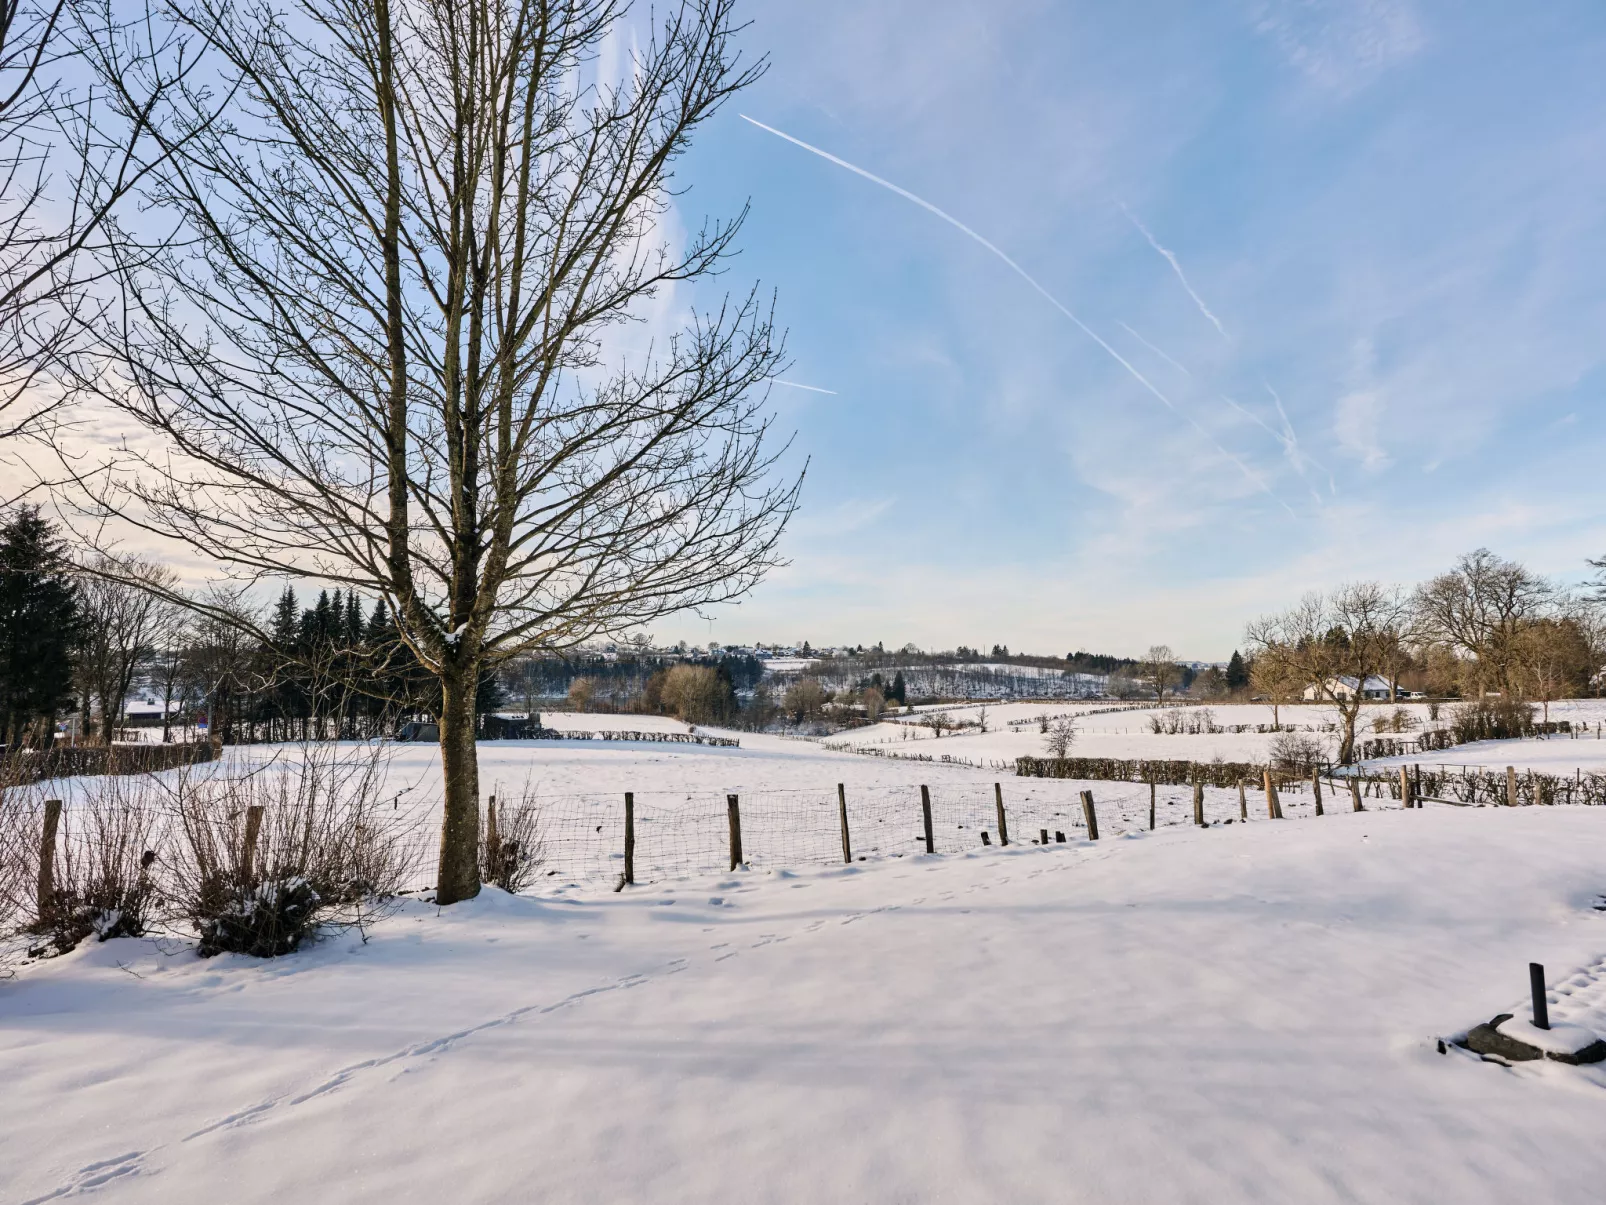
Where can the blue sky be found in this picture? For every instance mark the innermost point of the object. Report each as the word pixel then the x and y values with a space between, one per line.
pixel 1396 213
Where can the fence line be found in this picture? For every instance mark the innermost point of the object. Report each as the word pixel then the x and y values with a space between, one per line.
pixel 71 761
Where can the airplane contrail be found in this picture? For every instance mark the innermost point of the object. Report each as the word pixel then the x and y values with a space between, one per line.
pixel 1176 266
pixel 1255 478
pixel 1155 350
pixel 798 385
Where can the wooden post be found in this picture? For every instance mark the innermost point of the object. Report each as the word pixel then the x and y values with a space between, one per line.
pixel 1316 789
pixel 1511 786
pixel 1536 985
pixel 1003 822
pixel 842 815
pixel 1355 793
pixel 630 838
pixel 733 810
pixel 45 899
pixel 1198 803
pixel 492 842
pixel 1151 807
pixel 925 813
pixel 253 828
pixel 1243 801
pixel 1416 783
pixel 1042 836
pixel 1406 796
pixel 1274 807
pixel 1090 815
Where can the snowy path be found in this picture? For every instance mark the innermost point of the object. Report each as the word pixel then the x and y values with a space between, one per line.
pixel 1238 1014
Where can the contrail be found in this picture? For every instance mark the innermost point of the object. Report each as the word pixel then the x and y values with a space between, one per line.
pixel 1293 439
pixel 796 385
pixel 1155 350
pixel 1049 297
pixel 1176 267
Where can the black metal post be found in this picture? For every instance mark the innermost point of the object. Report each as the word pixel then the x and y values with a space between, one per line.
pixel 925 811
pixel 1536 982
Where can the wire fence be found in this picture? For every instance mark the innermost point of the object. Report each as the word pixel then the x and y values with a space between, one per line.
pixel 678 835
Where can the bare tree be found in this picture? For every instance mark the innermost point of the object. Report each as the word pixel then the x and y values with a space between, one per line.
pixel 1333 643
pixel 1479 608
pixel 122 610
pixel 1061 736
pixel 68 157
pixel 169 651
pixel 1159 665
pixel 1273 680
pixel 380 356
pixel 1552 658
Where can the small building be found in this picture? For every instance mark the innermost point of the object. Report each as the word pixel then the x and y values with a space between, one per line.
pixel 1376 688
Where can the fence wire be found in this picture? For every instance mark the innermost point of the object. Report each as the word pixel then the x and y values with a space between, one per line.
pixel 680 835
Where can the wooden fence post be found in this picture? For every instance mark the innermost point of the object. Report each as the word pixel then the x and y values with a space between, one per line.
pixel 1407 795
pixel 253 828
pixel 1316 788
pixel 1003 822
pixel 45 899
pixel 1511 786
pixel 1198 803
pixel 493 843
pixel 842 815
pixel 734 812
pixel 1151 807
pixel 1274 807
pixel 1355 793
pixel 1243 801
pixel 925 812
pixel 630 838
pixel 1090 816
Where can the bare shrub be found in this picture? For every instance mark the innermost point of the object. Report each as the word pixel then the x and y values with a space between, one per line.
pixel 106 849
pixel 1491 719
pixel 1297 752
pixel 511 849
pixel 324 853
pixel 1061 736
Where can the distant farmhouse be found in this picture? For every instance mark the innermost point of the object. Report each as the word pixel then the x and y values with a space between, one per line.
pixel 1344 688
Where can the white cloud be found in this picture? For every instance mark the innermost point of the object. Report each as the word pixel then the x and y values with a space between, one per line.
pixel 1340 44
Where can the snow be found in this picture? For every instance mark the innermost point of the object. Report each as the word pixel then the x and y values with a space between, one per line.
pixel 1546 754
pixel 1558 1039
pixel 1244 1013
pixel 1105 729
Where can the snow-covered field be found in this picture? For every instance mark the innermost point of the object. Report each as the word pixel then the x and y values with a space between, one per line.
pixel 1245 1013
pixel 1126 733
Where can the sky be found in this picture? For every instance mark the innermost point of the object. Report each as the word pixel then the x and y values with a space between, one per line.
pixel 1332 274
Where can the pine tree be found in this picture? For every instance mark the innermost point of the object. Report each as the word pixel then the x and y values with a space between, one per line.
pixel 39 627
pixel 898 690
pixel 1237 673
pixel 351 638
pixel 284 621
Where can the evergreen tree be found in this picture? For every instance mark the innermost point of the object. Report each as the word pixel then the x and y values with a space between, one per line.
pixel 39 627
pixel 284 621
pixel 897 690
pixel 351 638
pixel 1237 672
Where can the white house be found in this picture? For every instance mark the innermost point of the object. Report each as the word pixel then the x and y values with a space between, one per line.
pixel 1344 688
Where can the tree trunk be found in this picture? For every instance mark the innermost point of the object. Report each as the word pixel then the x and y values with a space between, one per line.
pixel 1346 748
pixel 460 823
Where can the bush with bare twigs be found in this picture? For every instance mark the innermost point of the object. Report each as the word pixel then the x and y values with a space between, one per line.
pixel 511 849
pixel 262 860
pixel 1297 752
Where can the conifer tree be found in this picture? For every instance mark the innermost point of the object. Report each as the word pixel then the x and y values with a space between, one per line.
pixel 39 627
